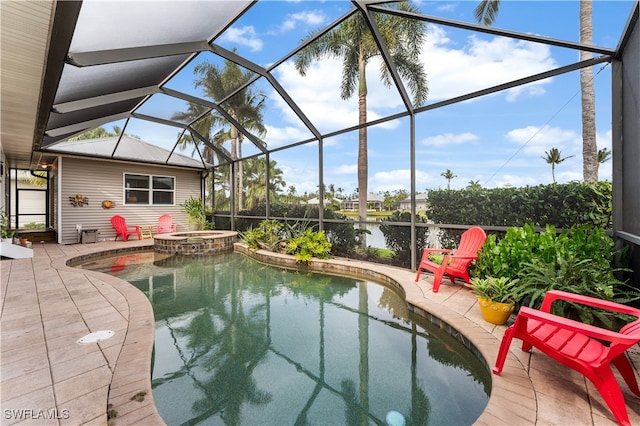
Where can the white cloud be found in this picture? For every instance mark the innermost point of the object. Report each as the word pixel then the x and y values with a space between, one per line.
pixel 279 136
pixel 399 179
pixel 448 139
pixel 344 169
pixel 245 36
pixel 455 70
pixel 537 140
pixel 313 18
pixel 517 181
pixel 452 70
pixel 318 96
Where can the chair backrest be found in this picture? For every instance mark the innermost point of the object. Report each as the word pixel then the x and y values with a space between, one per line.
pixel 471 242
pixel 165 220
pixel 165 224
pixel 118 222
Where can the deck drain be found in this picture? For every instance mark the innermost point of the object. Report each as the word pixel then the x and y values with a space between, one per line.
pixel 96 337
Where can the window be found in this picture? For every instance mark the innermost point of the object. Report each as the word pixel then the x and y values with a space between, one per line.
pixel 145 189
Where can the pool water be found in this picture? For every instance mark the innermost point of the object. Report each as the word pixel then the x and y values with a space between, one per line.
pixel 241 343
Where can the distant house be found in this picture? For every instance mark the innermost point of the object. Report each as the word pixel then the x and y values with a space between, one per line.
pixel 140 192
pixel 327 202
pixel 374 202
pixel 421 202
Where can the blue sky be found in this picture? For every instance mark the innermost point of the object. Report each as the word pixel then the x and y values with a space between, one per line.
pixel 497 140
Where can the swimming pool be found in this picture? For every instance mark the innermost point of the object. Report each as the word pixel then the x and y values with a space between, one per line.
pixel 238 342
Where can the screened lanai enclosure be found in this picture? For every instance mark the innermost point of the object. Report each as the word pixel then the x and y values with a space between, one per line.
pixel 343 103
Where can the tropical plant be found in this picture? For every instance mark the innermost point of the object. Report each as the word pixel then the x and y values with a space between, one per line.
pixel 98 132
pixel 352 42
pixel 486 13
pixel 5 226
pixel 474 185
pixel 308 245
pixel 494 289
pixel 194 210
pixel 242 104
pixel 256 181
pixel 268 235
pixel 604 155
pixel 580 260
pixel 297 238
pixel 448 175
pixel 398 238
pixel 553 157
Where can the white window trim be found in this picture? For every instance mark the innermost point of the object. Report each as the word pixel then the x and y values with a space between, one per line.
pixel 150 189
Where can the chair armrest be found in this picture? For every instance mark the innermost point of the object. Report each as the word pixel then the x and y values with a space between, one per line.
pixel 455 256
pixel 577 326
pixel 434 250
pixel 554 295
pixel 428 251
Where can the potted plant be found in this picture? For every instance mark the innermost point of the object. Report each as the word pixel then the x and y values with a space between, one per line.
pixel 5 228
pixel 495 297
pixel 194 209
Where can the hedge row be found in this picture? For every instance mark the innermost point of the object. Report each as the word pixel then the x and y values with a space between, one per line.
pixel 561 205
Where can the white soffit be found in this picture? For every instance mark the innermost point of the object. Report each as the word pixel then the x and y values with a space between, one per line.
pixel 24 39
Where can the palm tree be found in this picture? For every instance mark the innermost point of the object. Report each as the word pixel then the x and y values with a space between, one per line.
pixel 553 157
pixel 603 155
pixel 474 185
pixel 448 175
pixel 203 122
pixel 245 106
pixel 353 43
pixel 257 180
pixel 96 133
pixel 486 13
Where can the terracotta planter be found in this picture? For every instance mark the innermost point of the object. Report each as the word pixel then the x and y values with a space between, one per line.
pixel 495 312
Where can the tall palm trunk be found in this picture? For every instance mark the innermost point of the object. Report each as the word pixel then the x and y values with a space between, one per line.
pixel 363 164
pixel 241 194
pixel 589 147
pixel 234 156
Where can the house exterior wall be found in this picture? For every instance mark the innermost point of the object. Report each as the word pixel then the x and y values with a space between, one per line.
pixel 104 180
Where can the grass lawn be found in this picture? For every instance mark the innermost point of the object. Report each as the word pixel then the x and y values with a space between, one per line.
pixel 375 214
pixel 372 214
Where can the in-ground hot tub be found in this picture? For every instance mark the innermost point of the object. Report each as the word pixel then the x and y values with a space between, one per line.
pixel 195 242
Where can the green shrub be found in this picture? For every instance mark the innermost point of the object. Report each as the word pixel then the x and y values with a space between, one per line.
pixel 343 236
pixel 580 260
pixel 298 239
pixel 196 218
pixel 308 245
pixel 268 235
pixel 564 206
pixel 398 238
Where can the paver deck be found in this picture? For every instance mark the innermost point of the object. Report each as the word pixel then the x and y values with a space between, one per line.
pixel 48 378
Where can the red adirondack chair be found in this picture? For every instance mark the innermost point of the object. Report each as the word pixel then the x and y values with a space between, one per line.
pixel 585 348
pixel 120 225
pixel 456 262
pixel 165 224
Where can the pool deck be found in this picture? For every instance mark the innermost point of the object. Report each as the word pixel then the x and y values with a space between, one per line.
pixel 48 378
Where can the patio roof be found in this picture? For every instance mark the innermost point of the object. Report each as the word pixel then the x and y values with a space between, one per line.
pixel 69 67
